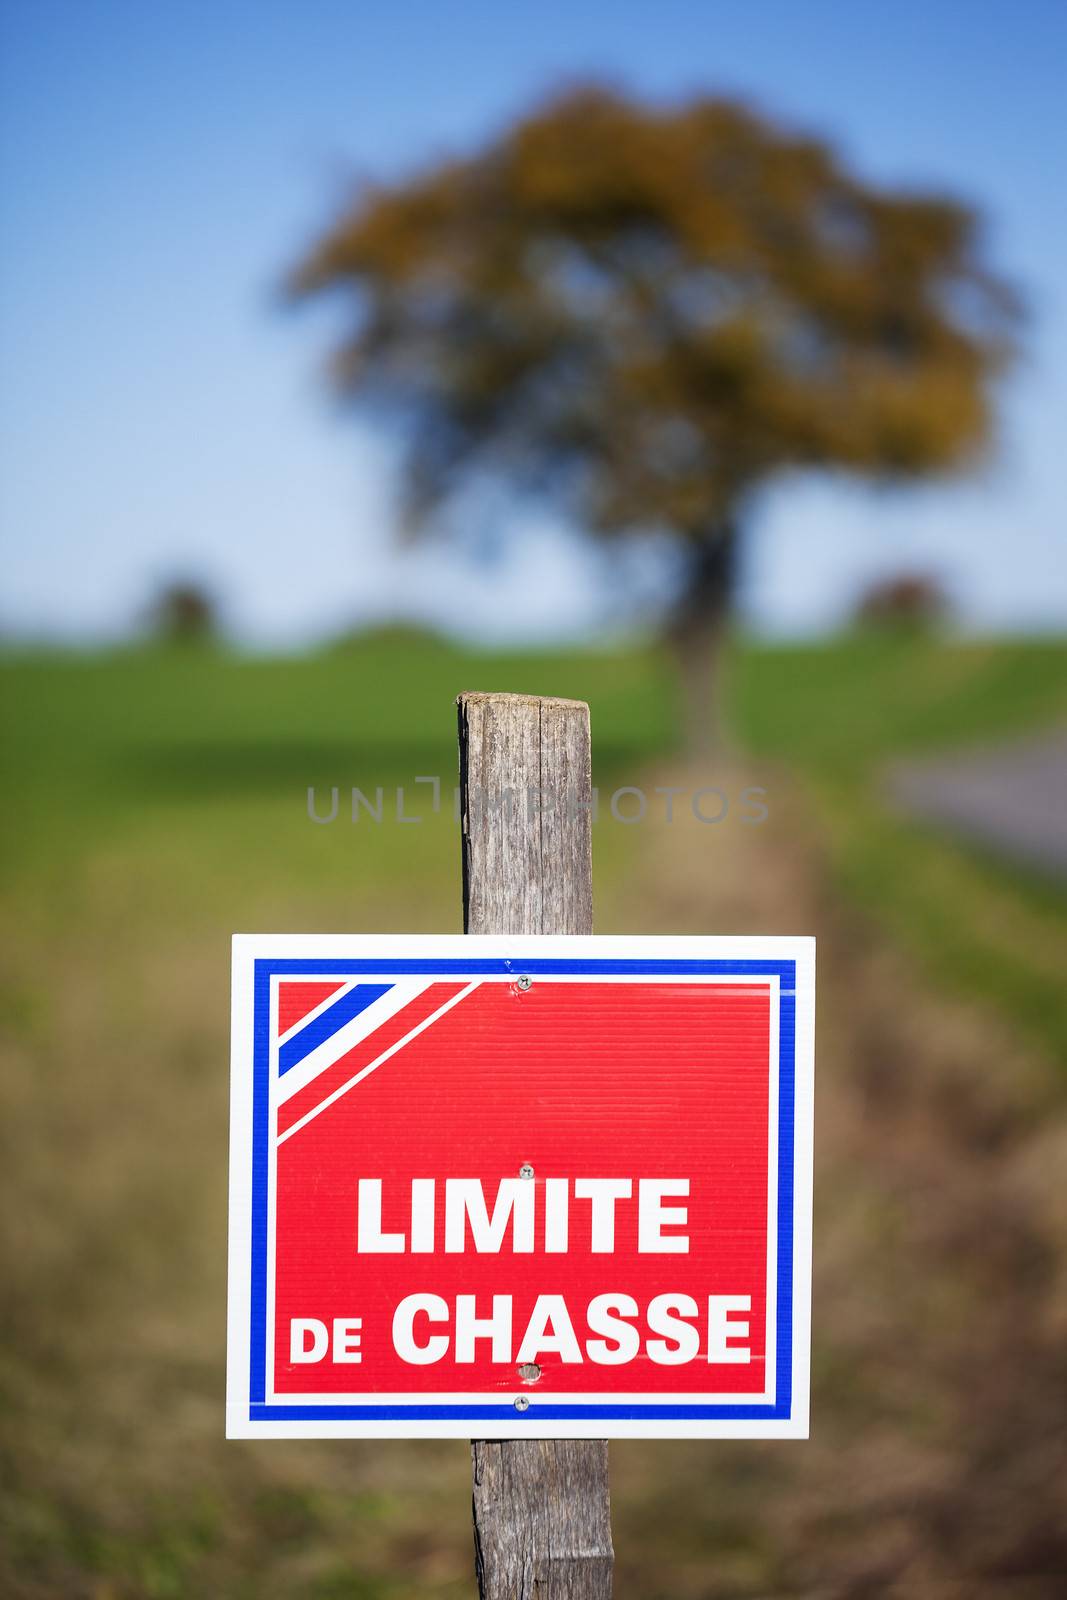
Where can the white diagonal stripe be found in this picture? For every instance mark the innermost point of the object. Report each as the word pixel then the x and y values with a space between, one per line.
pixel 358 1027
pixel 316 1011
pixel 365 1072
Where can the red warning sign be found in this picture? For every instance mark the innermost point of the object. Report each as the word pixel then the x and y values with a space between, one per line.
pixel 555 1185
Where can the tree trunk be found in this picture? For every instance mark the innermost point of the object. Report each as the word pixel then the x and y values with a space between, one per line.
pixel 698 636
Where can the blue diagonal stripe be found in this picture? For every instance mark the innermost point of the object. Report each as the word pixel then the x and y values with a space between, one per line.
pixel 327 1023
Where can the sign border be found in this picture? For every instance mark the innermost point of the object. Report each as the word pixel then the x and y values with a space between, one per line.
pixel 258 959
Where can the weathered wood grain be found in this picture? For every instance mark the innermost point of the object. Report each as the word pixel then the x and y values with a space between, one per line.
pixel 542 1523
pixel 525 794
pixel 542 1519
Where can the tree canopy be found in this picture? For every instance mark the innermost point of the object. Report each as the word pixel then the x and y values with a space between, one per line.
pixel 649 310
pixel 644 312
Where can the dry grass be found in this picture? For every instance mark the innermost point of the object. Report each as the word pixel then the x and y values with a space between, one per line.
pixel 937 1462
pixel 938 1459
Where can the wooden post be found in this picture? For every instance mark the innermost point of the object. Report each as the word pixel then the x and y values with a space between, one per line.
pixel 542 1518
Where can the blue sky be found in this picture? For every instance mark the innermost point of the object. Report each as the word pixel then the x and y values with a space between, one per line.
pixel 159 414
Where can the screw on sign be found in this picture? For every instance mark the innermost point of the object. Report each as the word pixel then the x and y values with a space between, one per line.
pixel 602 1228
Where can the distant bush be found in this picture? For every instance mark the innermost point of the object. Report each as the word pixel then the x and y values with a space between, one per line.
pixel 184 612
pixel 906 600
pixel 397 634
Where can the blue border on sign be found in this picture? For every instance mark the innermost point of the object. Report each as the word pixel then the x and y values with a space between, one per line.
pixel 780 1410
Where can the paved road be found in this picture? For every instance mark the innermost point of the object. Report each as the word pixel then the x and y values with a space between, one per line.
pixel 1011 797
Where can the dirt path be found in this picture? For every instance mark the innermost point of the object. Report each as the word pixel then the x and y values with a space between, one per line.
pixel 938 1461
pixel 1011 797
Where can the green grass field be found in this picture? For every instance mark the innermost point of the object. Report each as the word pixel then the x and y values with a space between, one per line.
pixel 206 758
pixel 156 802
pixel 838 715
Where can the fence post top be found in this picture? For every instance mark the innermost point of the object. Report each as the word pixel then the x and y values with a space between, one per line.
pixel 481 697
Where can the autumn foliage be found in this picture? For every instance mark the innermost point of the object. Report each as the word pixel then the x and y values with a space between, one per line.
pixel 645 312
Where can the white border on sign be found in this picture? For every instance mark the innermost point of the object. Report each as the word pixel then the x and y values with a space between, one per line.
pixel 247 948
pixel 479 1397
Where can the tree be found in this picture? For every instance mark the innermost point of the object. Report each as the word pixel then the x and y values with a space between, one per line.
pixel 906 601
pixel 184 612
pixel 647 312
